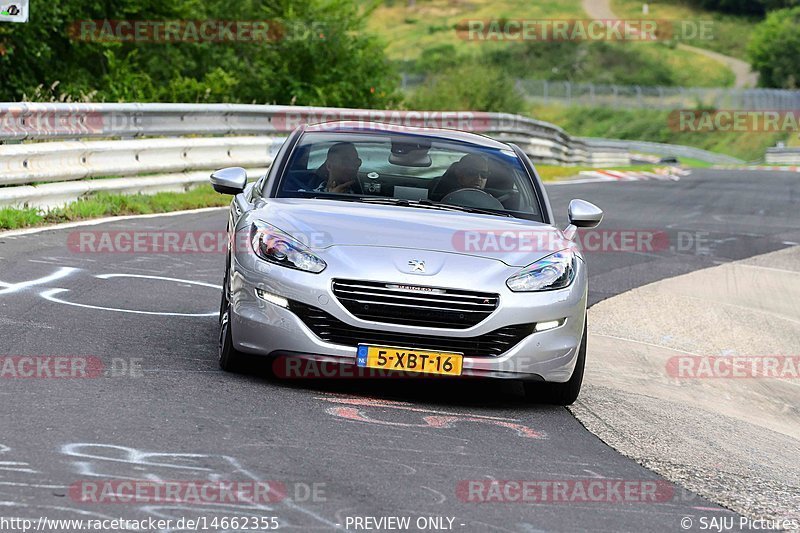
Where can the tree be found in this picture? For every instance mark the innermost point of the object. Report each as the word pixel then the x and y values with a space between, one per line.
pixel 322 55
pixel 744 7
pixel 774 49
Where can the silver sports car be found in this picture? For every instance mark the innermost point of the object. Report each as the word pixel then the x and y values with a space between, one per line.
pixel 405 251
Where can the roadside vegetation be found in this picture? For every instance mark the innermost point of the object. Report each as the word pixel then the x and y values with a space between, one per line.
pixel 346 53
pixel 774 49
pixel 730 31
pixel 554 173
pixel 322 56
pixel 105 205
pixel 654 125
pixel 423 38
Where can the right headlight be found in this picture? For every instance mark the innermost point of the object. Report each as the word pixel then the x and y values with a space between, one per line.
pixel 556 271
pixel 273 245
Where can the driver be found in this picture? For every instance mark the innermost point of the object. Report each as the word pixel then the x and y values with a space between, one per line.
pixel 470 172
pixel 339 172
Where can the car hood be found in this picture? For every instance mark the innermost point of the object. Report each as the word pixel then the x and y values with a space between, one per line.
pixel 322 224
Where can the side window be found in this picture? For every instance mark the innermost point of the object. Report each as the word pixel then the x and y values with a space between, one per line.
pixel 317 156
pixel 260 188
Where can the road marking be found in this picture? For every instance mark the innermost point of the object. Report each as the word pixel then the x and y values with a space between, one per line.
pixel 438 420
pixel 50 296
pixel 16 287
pixel 90 453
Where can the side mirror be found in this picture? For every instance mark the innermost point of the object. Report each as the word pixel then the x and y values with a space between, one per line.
pixel 582 214
pixel 231 180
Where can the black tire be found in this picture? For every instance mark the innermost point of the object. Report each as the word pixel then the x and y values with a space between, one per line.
pixel 560 393
pixel 230 359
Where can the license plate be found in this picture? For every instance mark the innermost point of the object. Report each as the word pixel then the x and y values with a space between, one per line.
pixel 409 360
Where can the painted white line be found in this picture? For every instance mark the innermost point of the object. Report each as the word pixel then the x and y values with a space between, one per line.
pixel 24 470
pixel 33 485
pixel 16 287
pixel 50 296
pixel 579 181
pixel 160 278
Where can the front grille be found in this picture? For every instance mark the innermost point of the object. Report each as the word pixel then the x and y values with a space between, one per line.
pixel 331 329
pixel 412 305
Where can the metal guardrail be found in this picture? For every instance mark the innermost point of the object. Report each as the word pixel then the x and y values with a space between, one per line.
pixel 200 138
pixel 663 149
pixel 45 174
pixel 635 96
pixel 33 122
pixel 783 156
pixel 74 160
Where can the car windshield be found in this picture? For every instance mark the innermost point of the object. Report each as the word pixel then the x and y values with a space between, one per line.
pixel 410 171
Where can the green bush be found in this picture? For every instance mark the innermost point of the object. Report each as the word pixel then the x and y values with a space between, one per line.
pixel 325 57
pixel 774 49
pixel 471 86
pixel 744 7
pixel 654 125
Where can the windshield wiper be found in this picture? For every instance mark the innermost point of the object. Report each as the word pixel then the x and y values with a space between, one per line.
pixel 450 207
pixel 427 204
pixel 383 200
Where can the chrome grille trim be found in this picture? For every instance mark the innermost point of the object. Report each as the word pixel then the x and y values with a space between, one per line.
pixel 434 307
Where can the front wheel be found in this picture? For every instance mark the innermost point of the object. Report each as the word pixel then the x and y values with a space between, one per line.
pixel 230 359
pixel 560 393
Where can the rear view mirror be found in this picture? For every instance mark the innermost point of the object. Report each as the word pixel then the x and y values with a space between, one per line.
pixel 231 180
pixel 582 214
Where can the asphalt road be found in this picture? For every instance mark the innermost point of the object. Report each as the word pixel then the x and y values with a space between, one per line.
pixel 366 448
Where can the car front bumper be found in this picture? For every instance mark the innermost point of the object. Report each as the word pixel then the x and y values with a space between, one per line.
pixel 265 328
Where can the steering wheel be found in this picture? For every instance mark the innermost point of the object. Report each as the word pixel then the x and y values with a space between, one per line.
pixel 471 197
pixel 507 196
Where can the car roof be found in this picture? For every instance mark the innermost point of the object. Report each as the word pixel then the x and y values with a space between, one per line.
pixel 366 127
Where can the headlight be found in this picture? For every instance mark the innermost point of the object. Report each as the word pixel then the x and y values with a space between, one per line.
pixel 555 271
pixel 273 245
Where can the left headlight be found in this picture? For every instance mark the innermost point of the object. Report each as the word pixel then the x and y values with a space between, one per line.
pixel 556 271
pixel 273 245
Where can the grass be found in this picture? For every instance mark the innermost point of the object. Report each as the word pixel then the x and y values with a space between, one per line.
pixel 730 32
pixel 652 125
pixel 413 32
pixel 104 204
pixel 685 65
pixel 553 173
pixel 432 23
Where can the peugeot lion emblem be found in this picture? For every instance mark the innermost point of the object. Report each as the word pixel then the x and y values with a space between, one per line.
pixel 417 265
